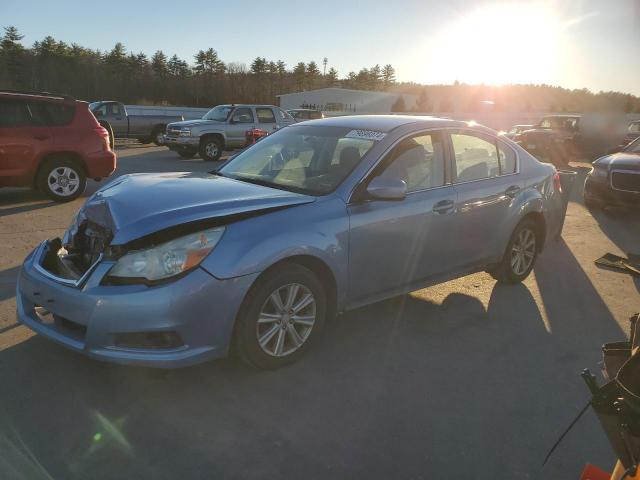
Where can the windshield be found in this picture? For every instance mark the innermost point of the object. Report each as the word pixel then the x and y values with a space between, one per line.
pixel 305 159
pixel 633 147
pixel 219 113
pixel 94 105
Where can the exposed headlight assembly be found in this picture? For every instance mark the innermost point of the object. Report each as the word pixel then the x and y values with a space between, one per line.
pixel 167 259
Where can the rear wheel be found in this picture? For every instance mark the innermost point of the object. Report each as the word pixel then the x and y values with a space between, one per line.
pixel 210 149
pixel 281 316
pixel 520 255
pixel 61 179
pixel 157 136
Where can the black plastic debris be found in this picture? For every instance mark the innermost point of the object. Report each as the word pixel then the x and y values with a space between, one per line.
pixel 628 265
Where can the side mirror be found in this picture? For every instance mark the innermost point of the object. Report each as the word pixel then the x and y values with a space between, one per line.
pixel 381 188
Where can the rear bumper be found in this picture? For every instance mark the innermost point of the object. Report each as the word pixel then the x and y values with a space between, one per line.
pixel 100 164
pixel 601 192
pixel 90 318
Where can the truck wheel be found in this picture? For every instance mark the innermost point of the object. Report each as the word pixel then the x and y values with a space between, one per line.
pixel 157 136
pixel 187 154
pixel 61 179
pixel 210 149
pixel 107 127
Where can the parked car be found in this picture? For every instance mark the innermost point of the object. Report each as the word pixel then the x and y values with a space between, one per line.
pixel 633 132
pixel 51 143
pixel 144 128
pixel 172 269
pixel 303 114
pixel 562 138
pixel 223 128
pixel 516 130
pixel 615 179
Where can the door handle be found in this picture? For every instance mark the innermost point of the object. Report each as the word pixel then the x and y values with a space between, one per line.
pixel 41 137
pixel 443 207
pixel 512 191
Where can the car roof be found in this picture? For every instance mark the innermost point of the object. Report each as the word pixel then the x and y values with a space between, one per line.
pixel 245 105
pixel 303 110
pixel 384 123
pixel 33 96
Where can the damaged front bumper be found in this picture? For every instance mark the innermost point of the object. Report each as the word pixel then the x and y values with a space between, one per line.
pixel 180 323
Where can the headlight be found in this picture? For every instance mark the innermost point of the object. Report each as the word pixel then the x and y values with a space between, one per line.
pixel 167 259
pixel 185 132
pixel 599 171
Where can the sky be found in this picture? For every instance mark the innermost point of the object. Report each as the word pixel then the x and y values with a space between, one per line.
pixel 592 44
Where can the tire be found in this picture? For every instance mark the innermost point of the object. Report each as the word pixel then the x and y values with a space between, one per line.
pixel 210 149
pixel 280 345
pixel 107 127
pixel 157 136
pixel 61 179
pixel 186 154
pixel 510 270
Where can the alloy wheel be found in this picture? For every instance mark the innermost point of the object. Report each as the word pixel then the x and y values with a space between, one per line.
pixel 63 181
pixel 523 251
pixel 211 149
pixel 286 320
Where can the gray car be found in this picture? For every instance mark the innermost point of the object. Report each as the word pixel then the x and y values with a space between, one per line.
pixel 224 127
pixel 321 217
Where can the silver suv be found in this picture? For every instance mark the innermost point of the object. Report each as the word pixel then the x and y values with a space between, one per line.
pixel 224 127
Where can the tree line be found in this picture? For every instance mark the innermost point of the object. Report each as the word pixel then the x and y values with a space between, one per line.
pixel 206 80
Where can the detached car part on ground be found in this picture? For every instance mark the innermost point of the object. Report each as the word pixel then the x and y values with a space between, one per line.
pixel 223 128
pixel 51 143
pixel 614 179
pixel 315 219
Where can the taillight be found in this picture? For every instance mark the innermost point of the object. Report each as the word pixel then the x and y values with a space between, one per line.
pixel 104 134
pixel 556 182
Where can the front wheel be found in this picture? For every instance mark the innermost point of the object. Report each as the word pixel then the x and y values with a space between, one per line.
pixel 210 149
pixel 520 255
pixel 62 180
pixel 281 316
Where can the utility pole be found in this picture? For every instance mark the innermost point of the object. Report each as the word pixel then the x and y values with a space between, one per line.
pixel 325 60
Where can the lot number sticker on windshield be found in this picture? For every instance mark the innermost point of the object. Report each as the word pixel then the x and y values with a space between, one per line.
pixel 366 135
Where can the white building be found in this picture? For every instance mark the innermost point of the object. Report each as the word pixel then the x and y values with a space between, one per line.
pixel 343 100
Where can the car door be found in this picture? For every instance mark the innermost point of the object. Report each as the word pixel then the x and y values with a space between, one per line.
pixel 486 183
pixel 117 117
pixel 23 140
pixel 240 120
pixel 266 119
pixel 394 245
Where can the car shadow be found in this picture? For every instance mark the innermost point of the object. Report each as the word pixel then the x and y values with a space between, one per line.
pixel 391 390
pixel 8 280
pixel 30 199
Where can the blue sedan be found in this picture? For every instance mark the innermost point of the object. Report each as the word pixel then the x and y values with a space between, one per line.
pixel 322 217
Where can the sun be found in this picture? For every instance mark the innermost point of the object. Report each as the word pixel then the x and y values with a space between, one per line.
pixel 496 44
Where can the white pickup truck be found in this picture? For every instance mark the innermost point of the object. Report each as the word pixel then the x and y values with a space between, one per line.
pixel 223 128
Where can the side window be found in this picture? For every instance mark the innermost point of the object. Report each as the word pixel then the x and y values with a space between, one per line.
pixel 419 161
pixel 60 114
pixel 114 109
pixel 545 123
pixel 242 115
pixel 14 113
pixel 265 115
pixel 39 114
pixel 507 159
pixel 101 111
pixel 476 158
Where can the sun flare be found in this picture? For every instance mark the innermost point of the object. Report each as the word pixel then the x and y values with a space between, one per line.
pixel 497 44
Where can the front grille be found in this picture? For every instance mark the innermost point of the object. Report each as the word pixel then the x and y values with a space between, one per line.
pixel 627 181
pixel 173 132
pixel 63 325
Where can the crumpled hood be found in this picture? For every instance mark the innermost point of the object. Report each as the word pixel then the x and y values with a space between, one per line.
pixel 137 205
pixel 196 123
pixel 626 160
